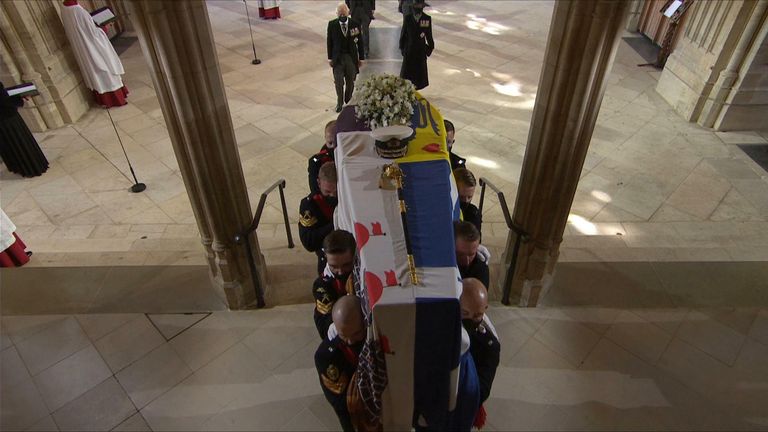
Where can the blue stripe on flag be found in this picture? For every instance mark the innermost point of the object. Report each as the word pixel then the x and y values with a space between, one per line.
pixel 430 214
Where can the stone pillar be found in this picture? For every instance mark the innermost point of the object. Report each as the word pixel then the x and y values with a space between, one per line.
pixel 739 97
pixel 178 47
pixel 582 43
pixel 715 75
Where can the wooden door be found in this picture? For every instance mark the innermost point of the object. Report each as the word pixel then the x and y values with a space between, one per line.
pixel 653 23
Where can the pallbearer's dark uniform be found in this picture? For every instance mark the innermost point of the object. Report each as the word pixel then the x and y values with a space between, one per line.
pixel 326 290
pixel 485 348
pixel 336 362
pixel 416 44
pixel 314 164
pixel 470 213
pixel 457 161
pixel 477 269
pixel 316 222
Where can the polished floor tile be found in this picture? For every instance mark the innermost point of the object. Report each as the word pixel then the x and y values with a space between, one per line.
pixel 573 368
pixel 52 345
pixel 12 368
pixel 134 423
pixel 129 343
pixel 170 325
pixel 101 408
pixel 153 375
pixel 22 406
pixel 71 377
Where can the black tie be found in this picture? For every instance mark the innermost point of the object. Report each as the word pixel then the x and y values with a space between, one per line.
pixel 344 28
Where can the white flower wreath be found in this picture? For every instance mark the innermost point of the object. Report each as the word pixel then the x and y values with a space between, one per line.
pixel 385 100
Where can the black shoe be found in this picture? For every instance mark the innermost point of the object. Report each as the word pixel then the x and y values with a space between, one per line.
pixel 338 108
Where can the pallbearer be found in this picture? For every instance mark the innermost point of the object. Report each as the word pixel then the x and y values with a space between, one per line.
pixel 101 67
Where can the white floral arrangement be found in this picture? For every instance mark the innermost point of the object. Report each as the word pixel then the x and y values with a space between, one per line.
pixel 385 100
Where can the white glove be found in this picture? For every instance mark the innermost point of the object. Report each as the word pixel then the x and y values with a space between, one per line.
pixel 484 253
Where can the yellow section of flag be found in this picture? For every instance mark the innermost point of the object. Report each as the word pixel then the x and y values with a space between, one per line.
pixel 429 142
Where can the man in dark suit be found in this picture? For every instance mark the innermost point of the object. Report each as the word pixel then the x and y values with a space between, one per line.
pixel 469 261
pixel 466 183
pixel 320 158
pixel 416 44
pixel 334 283
pixel 336 360
pixel 345 53
pixel 483 341
pixel 362 12
pixel 450 137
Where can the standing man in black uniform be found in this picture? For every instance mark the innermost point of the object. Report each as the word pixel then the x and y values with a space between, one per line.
pixel 339 247
pixel 467 243
pixel 345 53
pixel 316 213
pixel 362 12
pixel 466 183
pixel 324 155
pixel 483 341
pixel 416 44
pixel 336 360
pixel 450 137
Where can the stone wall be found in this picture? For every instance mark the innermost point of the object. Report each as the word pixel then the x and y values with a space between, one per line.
pixel 746 106
pixel 34 47
pixel 704 80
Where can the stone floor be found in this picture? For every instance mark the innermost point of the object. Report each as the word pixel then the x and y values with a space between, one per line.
pixel 561 369
pixel 654 187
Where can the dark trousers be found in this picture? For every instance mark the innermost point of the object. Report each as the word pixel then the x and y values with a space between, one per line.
pixel 344 73
pixel 365 22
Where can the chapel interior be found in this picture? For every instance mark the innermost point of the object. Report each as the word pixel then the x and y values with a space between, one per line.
pixel 625 210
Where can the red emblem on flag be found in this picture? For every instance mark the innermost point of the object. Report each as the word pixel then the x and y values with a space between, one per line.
pixel 374 286
pixel 361 235
pixel 391 278
pixel 431 148
pixel 376 228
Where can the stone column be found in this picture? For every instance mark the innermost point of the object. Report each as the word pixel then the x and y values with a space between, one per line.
pixel 739 98
pixel 178 47
pixel 581 47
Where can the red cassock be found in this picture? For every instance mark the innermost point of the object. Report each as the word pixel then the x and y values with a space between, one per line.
pixel 15 255
pixel 269 9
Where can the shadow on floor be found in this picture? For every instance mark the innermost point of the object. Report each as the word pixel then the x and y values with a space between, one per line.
pixel 174 289
pixel 75 290
pixel 659 284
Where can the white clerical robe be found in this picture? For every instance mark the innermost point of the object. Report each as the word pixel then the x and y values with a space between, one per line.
pixel 7 228
pixel 99 63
